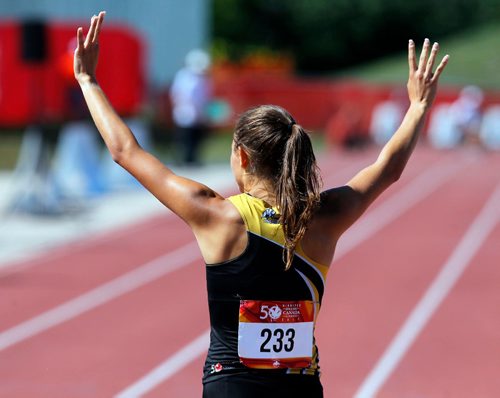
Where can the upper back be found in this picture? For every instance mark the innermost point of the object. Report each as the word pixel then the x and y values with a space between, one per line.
pixel 262 220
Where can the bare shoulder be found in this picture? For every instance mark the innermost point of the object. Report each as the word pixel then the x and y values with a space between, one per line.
pixel 336 204
pixel 329 222
pixel 224 237
pixel 227 213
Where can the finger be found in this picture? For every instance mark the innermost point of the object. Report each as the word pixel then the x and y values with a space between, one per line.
pixel 440 68
pixel 430 62
pixel 100 19
pixel 423 55
pixel 90 34
pixel 412 58
pixel 79 37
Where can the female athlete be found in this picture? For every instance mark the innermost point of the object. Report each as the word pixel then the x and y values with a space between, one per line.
pixel 267 249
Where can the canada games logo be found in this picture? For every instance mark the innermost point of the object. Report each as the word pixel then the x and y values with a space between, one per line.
pixel 274 312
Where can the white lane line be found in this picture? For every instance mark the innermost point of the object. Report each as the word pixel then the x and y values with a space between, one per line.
pixel 168 368
pixel 390 209
pixel 422 186
pixel 451 271
pixel 132 280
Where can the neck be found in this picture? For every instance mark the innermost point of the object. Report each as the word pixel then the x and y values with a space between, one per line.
pixel 263 190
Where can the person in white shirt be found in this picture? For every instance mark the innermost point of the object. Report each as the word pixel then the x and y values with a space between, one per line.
pixel 190 94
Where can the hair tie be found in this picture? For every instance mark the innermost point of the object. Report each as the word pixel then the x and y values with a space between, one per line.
pixel 290 125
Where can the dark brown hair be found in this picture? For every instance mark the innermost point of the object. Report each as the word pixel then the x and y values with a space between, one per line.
pixel 281 152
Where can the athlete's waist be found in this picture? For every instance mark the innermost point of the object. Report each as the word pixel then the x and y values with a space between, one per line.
pixel 213 370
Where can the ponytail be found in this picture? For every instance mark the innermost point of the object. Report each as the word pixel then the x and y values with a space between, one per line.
pixel 281 152
pixel 297 189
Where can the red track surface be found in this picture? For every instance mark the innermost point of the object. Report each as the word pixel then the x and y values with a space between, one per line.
pixel 385 265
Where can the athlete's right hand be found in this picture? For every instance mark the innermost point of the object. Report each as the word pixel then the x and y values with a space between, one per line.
pixel 422 81
pixel 87 50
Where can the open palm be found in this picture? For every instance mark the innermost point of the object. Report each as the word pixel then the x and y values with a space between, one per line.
pixel 422 80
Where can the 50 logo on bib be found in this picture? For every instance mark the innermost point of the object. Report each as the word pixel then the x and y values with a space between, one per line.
pixel 276 334
pixel 273 312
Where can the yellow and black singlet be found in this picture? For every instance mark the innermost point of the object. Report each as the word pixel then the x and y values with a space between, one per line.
pixel 262 316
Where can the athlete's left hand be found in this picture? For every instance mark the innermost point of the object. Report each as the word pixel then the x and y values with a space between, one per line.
pixel 422 81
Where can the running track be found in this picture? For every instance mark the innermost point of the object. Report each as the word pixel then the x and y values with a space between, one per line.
pixel 411 308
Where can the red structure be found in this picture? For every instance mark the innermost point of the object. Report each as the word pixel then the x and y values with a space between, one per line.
pixel 38 91
pixel 341 108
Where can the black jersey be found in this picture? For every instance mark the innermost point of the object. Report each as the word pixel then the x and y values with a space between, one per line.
pixel 259 274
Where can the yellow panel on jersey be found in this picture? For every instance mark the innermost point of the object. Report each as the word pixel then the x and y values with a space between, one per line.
pixel 262 219
pixel 259 217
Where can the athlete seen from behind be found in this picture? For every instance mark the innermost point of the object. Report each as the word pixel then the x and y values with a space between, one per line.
pixel 268 249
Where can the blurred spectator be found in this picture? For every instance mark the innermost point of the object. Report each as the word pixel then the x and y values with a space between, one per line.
pixel 190 94
pixel 452 125
pixel 442 133
pixel 344 127
pixel 489 134
pixel 387 116
pixel 466 113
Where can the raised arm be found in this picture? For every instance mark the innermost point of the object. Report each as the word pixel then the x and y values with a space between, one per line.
pixel 347 203
pixel 188 199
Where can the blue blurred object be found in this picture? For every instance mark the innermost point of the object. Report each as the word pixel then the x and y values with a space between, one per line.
pixel 77 170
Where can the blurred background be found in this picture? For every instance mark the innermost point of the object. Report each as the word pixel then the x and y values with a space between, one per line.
pixel 329 63
pixel 180 73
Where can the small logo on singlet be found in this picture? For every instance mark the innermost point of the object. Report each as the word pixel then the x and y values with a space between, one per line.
pixel 276 364
pixel 216 368
pixel 270 216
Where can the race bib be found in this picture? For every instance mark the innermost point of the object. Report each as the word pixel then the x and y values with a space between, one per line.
pixel 276 334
